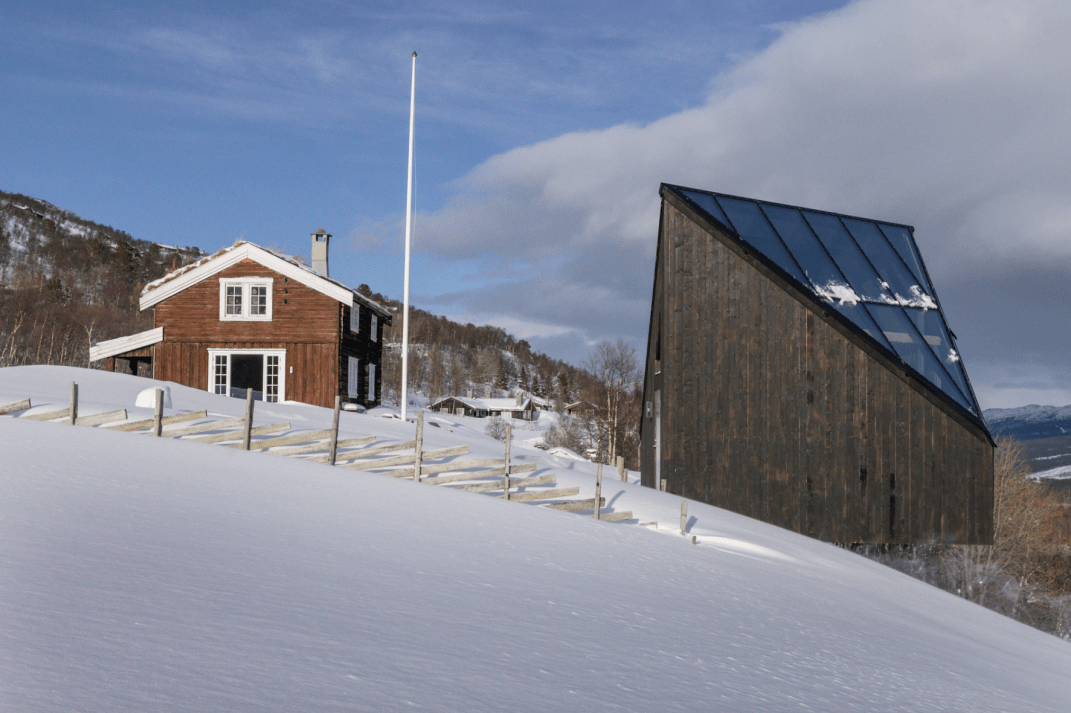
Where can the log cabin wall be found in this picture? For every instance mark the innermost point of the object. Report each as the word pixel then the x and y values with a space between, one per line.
pixel 368 351
pixel 774 410
pixel 304 322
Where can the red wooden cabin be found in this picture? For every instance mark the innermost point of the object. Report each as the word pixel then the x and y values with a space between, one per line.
pixel 250 318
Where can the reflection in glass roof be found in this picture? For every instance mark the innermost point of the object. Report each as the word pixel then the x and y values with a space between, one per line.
pixel 869 272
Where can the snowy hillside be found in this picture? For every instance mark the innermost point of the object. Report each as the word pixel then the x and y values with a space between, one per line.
pixel 153 574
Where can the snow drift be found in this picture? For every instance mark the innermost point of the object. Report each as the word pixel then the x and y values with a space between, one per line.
pixel 146 574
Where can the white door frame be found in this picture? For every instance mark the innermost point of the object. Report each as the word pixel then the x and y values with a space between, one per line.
pixel 281 353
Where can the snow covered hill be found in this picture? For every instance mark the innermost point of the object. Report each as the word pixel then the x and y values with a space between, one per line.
pixel 1030 422
pixel 151 574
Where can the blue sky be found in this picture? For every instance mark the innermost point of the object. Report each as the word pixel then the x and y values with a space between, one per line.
pixel 543 131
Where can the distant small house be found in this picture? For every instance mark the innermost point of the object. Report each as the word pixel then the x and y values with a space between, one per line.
pixel 247 318
pixel 519 407
pixel 578 407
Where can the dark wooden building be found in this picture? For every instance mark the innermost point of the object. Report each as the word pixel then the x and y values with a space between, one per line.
pixel 249 318
pixel 800 371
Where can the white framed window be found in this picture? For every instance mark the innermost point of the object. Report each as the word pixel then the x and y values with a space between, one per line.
pixel 375 328
pixel 355 318
pixel 245 298
pixel 371 382
pixel 353 378
pixel 233 372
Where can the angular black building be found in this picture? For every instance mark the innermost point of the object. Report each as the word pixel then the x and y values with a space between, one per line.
pixel 800 370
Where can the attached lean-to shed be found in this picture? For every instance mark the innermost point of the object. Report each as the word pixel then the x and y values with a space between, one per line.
pixel 800 370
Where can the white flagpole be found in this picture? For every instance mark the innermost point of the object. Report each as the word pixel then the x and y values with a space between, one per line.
pixel 408 239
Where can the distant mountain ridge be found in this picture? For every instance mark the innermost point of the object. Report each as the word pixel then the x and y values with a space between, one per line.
pixel 1031 422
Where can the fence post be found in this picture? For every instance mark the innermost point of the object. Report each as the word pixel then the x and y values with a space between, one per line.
pixel 74 402
pixel 662 485
pixel 158 414
pixel 621 469
pixel 684 516
pixel 598 493
pixel 505 480
pixel 334 431
pixel 248 435
pixel 419 445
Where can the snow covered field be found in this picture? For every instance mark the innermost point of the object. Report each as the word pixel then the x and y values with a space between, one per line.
pixel 150 574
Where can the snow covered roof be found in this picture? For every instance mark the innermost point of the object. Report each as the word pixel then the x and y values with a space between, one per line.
pixel 174 282
pixel 103 350
pixel 868 271
pixel 489 404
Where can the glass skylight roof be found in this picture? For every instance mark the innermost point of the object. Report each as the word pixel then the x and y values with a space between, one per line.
pixel 868 271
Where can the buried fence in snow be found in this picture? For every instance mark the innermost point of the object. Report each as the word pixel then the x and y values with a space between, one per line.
pixel 491 476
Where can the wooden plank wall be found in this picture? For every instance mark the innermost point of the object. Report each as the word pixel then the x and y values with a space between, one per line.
pixel 363 347
pixel 311 382
pixel 770 411
pixel 300 314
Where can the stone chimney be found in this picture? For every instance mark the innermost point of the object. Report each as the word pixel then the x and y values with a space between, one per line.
pixel 520 399
pixel 319 251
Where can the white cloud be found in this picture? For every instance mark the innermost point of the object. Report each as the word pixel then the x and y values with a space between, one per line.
pixel 951 116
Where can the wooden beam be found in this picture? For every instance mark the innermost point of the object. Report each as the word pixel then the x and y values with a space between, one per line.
pixel 258 431
pixel 291 439
pixel 377 463
pixel 474 475
pixel 364 452
pixel 15 406
pixel 332 451
pixel 157 420
pixel 322 446
pixel 99 418
pixel 50 415
pixel 573 505
pixel 547 494
pixel 461 465
pixel 201 427
pixel 616 516
pixel 548 479
pixel 418 448
pixel 598 492
pixel 247 427
pixel 166 420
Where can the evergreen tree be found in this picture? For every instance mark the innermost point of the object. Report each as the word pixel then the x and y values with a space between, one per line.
pixel 502 377
pixel 564 389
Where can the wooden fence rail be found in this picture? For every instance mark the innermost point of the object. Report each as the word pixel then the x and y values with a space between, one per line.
pixel 432 466
pixel 14 406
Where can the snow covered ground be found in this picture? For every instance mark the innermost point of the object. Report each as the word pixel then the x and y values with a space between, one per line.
pixel 150 574
pixel 1061 473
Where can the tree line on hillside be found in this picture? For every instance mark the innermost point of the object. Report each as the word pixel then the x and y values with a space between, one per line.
pixel 66 283
pixel 451 359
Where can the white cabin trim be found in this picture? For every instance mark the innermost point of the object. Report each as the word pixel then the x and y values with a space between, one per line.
pixel 103 350
pixel 220 262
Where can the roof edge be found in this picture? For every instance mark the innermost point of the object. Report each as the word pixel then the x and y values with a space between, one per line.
pixel 111 347
pixel 842 324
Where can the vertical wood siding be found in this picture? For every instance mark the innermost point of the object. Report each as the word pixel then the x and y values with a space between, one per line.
pixel 770 411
